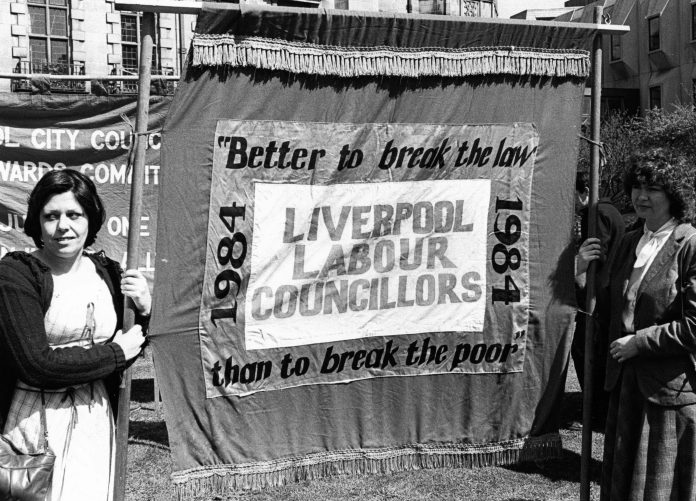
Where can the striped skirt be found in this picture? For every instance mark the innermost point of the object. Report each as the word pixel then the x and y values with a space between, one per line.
pixel 649 450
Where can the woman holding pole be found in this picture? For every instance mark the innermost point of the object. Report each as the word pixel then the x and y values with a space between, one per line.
pixel 650 440
pixel 61 346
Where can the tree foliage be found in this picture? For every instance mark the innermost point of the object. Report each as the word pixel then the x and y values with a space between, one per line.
pixel 623 134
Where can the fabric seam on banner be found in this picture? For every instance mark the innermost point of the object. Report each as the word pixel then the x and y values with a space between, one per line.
pixel 191 483
pixel 299 57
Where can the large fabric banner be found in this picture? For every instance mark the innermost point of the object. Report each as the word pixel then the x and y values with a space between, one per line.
pixel 364 245
pixel 413 260
pixel 91 134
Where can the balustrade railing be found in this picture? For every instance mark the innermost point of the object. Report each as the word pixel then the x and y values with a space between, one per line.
pixel 43 83
pixel 158 86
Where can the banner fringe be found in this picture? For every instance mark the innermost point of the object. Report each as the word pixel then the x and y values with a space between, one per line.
pixel 297 57
pixel 220 480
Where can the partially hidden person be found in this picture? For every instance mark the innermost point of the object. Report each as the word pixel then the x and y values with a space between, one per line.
pixel 61 338
pixel 610 230
pixel 650 434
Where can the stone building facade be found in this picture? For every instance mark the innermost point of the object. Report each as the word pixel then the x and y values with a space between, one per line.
pixel 92 37
pixel 83 37
pixel 653 65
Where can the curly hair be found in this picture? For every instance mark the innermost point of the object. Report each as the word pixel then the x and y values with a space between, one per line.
pixel 56 182
pixel 671 171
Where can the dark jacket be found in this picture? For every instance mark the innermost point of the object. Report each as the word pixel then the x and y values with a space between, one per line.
pixel 664 318
pixel 26 289
pixel 610 231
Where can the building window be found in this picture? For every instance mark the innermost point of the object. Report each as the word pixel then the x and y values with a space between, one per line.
pixel 130 49
pixel 130 44
pixel 693 21
pixel 615 47
pixel 487 9
pixel 654 33
pixel 49 45
pixel 655 97
pixel 464 8
pixel 431 6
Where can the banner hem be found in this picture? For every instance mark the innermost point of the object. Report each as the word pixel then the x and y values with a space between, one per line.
pixel 222 478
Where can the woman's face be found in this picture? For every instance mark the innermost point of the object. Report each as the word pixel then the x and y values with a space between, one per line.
pixel 64 226
pixel 651 203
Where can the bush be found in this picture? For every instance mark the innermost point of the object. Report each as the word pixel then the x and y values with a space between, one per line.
pixel 623 134
pixel 676 130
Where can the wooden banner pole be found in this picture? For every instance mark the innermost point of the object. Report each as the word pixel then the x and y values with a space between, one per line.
pixel 588 389
pixel 147 32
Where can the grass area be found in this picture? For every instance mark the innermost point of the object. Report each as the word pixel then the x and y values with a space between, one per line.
pixel 149 461
pixel 149 466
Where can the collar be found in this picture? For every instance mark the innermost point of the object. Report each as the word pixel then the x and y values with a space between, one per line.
pixel 651 242
pixel 662 231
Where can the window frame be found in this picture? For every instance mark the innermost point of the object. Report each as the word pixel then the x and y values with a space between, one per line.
pixel 48 37
pixel 490 6
pixel 693 21
pixel 651 101
pixel 432 4
pixel 156 59
pixel 615 44
pixel 654 39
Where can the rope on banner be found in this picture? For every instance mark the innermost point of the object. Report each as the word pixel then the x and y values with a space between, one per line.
pixel 602 149
pixel 220 480
pixel 131 149
pixel 298 57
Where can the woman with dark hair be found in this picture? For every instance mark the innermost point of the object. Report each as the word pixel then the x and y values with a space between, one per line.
pixel 61 345
pixel 650 440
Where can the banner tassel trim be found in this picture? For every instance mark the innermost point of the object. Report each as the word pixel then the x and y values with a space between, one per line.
pixel 219 480
pixel 297 57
